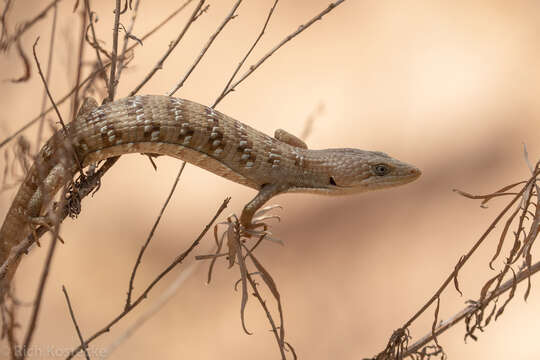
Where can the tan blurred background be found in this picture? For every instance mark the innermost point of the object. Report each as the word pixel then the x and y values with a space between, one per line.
pixel 449 86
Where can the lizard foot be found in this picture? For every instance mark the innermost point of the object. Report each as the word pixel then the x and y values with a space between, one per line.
pixel 44 221
pixel 237 235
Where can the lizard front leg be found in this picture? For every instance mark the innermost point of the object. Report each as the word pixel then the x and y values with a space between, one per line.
pixel 266 193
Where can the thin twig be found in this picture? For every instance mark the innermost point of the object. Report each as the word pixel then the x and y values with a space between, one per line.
pixel 90 16
pixel 470 252
pixel 80 56
pixel 91 77
pixel 75 322
pixel 144 294
pixel 27 25
pixel 66 133
pixel 114 53
pixel 47 79
pixel 239 66
pixel 446 324
pixel 127 36
pixel 295 33
pixel 151 234
pixel 161 61
pixel 268 315
pixel 156 306
pixel 229 17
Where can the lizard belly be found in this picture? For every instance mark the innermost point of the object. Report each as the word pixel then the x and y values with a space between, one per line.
pixel 194 157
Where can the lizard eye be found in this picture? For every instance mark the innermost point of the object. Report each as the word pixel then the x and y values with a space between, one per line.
pixel 332 181
pixel 381 169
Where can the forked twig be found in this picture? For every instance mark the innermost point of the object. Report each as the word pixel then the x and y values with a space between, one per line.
pixel 161 61
pixel 291 36
pixel 239 66
pixel 228 18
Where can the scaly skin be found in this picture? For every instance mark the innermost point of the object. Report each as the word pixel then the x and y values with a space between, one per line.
pixel 204 137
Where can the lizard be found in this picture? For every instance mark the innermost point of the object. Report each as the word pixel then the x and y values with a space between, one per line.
pixel 200 135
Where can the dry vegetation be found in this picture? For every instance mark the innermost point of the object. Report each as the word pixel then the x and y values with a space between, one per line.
pixel 100 75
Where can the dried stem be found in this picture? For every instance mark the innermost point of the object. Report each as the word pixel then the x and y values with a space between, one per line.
pixel 90 77
pixel 229 17
pixel 161 61
pixel 239 66
pixel 151 234
pixel 47 79
pixel 90 17
pixel 27 25
pixel 114 53
pixel 75 322
pixel 447 324
pixel 291 36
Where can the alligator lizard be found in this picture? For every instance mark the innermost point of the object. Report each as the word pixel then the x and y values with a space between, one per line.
pixel 199 135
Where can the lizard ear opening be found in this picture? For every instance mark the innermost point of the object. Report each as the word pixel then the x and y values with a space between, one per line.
pixel 332 181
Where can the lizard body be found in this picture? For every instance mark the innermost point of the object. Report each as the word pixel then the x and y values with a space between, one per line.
pixel 202 136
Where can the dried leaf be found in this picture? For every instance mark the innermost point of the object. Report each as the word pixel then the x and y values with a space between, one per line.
pixel 485 288
pixel 218 250
pixel 510 296
pixel 243 275
pixel 267 278
pixel 503 236
pixel 232 243
pixel 456 282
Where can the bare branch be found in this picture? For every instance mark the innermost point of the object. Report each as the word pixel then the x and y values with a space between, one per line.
pixel 112 77
pixel 447 324
pixel 206 47
pixel 161 61
pixel 47 79
pixel 259 37
pixel 90 77
pixel 75 322
pixel 27 25
pixel 291 36
pixel 151 234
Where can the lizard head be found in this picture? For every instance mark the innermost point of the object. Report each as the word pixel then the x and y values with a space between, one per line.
pixel 353 171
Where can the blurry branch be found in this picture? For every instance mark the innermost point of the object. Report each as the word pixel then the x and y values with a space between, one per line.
pixel 229 17
pixel 80 55
pixel 95 43
pixel 47 80
pixel 308 125
pixel 72 314
pixel 291 36
pixel 161 61
pixel 114 53
pixel 145 293
pixel 474 314
pixel 128 35
pixel 471 309
pixel 91 77
pixel 6 40
pixel 151 234
pixel 156 306
pixel 49 95
pixel 259 37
